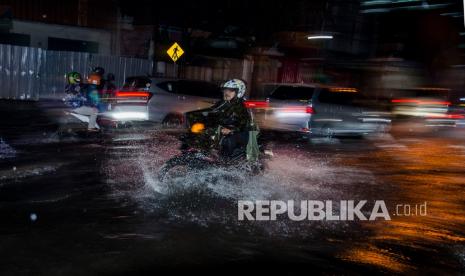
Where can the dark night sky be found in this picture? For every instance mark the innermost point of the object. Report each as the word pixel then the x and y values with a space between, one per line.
pixel 258 16
pixel 422 32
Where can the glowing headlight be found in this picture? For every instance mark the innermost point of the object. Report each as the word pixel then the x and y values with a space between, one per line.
pixel 197 128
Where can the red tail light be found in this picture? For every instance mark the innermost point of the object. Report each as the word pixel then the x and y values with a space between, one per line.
pixel 456 116
pixel 434 102
pixel 299 109
pixel 404 101
pixel 131 94
pixel 256 104
pixel 422 102
pixel 447 116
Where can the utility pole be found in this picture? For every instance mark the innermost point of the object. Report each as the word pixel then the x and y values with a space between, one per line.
pixel 83 6
pixel 117 33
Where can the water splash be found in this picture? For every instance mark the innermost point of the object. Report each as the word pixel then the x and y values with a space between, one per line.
pixel 6 151
pixel 209 196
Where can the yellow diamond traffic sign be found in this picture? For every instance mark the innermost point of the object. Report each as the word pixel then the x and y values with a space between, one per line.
pixel 175 52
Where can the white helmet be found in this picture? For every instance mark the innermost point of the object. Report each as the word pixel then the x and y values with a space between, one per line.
pixel 235 84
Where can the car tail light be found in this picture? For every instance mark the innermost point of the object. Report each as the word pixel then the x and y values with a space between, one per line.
pixel 434 103
pixel 404 101
pixel 421 102
pixel 456 116
pixel 447 116
pixel 299 109
pixel 130 94
pixel 133 95
pixel 256 104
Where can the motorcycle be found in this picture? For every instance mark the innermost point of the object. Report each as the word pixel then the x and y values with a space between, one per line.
pixel 75 100
pixel 201 149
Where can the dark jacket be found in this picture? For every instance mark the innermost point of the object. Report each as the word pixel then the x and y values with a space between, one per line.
pixel 231 114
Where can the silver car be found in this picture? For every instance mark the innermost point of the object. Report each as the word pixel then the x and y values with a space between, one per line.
pixel 161 100
pixel 318 110
pixel 172 98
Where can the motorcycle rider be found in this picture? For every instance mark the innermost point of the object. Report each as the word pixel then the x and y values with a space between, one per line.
pixel 227 124
pixel 109 88
pixel 74 97
pixel 232 117
pixel 74 83
pixel 92 100
pixel 110 83
pixel 101 72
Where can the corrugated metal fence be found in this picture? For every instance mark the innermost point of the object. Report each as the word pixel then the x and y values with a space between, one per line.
pixel 31 73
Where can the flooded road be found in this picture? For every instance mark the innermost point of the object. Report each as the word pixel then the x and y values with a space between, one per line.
pixel 94 206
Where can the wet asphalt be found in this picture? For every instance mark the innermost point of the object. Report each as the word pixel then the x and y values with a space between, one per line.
pixel 73 203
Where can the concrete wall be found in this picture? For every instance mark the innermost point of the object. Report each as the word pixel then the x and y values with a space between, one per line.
pixel 40 32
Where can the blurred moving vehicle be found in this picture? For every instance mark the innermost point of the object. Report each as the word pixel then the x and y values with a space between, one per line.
pixel 454 117
pixel 420 102
pixel 160 100
pixel 318 110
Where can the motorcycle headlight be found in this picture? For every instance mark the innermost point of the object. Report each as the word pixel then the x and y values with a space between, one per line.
pixel 197 128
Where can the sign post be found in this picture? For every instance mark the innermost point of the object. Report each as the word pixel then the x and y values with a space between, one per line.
pixel 175 52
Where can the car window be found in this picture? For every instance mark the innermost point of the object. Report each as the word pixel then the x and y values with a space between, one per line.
pixel 167 86
pixel 198 88
pixel 293 93
pixel 264 90
pixel 137 83
pixel 327 96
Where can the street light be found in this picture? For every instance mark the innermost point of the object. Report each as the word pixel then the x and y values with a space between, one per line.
pixel 320 37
